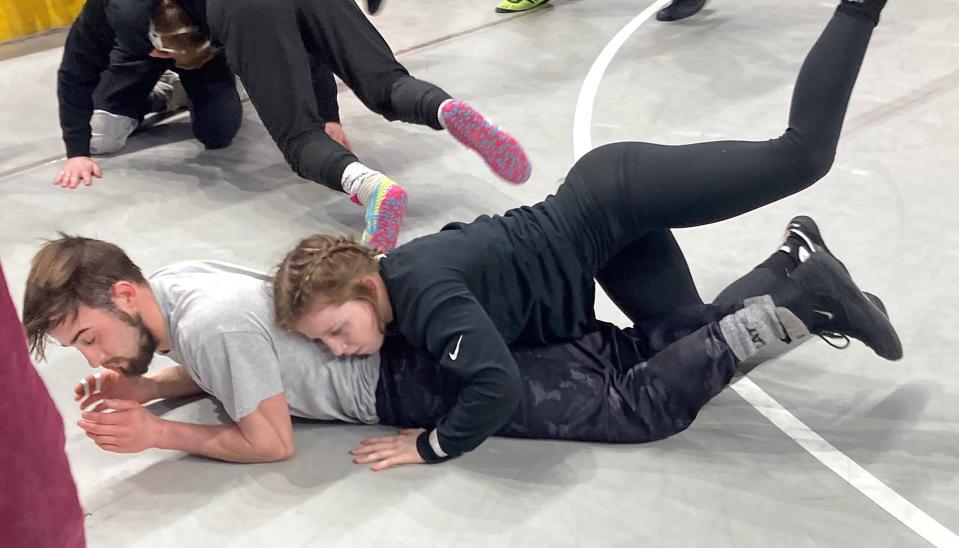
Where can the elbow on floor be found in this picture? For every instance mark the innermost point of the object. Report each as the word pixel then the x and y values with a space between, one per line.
pixel 275 454
pixel 286 452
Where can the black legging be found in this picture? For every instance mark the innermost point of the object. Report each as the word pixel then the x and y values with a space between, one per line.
pixel 620 200
pixel 266 43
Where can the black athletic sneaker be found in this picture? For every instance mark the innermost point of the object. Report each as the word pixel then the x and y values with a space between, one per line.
pixel 807 230
pixel 840 308
pixel 374 6
pixel 803 238
pixel 830 337
pixel 680 9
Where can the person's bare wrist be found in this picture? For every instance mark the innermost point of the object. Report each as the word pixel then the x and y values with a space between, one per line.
pixel 159 433
pixel 150 388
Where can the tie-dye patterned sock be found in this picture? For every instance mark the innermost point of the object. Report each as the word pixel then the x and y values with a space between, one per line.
pixel 358 181
pixel 385 211
pixel 499 150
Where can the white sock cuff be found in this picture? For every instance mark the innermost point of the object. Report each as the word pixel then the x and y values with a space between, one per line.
pixel 439 113
pixel 353 175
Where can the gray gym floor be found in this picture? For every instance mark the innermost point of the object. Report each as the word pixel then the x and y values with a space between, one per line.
pixel 888 209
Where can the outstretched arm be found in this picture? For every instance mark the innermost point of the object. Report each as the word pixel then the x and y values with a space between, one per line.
pixel 86 55
pixel 264 435
pixel 173 382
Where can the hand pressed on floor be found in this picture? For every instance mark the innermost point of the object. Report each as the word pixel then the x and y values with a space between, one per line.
pixel 78 169
pixel 389 451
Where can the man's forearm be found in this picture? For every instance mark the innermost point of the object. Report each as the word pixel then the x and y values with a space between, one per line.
pixel 172 382
pixel 222 442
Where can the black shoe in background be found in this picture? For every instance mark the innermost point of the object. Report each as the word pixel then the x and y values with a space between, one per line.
pixel 680 9
pixel 374 6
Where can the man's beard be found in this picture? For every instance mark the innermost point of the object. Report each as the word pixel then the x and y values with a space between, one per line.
pixel 146 346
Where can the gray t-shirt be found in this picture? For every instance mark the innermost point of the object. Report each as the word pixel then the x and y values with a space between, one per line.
pixel 220 318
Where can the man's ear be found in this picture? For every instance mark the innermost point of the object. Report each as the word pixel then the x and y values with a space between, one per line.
pixel 124 295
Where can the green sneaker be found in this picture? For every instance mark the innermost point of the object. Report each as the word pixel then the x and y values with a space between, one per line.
pixel 514 6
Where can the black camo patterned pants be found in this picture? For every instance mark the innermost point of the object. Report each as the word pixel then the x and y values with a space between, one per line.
pixel 614 385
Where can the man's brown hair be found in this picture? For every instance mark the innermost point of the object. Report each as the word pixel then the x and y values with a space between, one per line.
pixel 67 273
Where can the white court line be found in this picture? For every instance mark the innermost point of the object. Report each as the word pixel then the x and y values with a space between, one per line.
pixel 844 467
pixel 583 116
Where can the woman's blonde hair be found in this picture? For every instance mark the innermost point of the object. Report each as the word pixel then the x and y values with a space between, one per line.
pixel 324 271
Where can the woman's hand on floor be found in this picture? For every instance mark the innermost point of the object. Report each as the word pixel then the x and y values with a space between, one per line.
pixel 387 451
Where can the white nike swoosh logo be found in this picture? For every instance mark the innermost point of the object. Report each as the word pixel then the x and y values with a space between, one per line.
pixel 456 351
pixel 828 315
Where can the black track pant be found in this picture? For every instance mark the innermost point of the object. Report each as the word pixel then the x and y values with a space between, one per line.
pixel 613 385
pixel 267 42
pixel 216 113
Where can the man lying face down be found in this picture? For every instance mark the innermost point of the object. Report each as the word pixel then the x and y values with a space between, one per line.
pixel 212 318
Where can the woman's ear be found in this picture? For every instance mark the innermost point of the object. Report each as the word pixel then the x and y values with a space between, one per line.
pixel 374 284
pixel 381 301
pixel 368 282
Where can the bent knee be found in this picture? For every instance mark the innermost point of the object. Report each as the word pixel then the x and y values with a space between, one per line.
pixel 810 161
pixel 815 163
pixel 219 135
pixel 215 141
